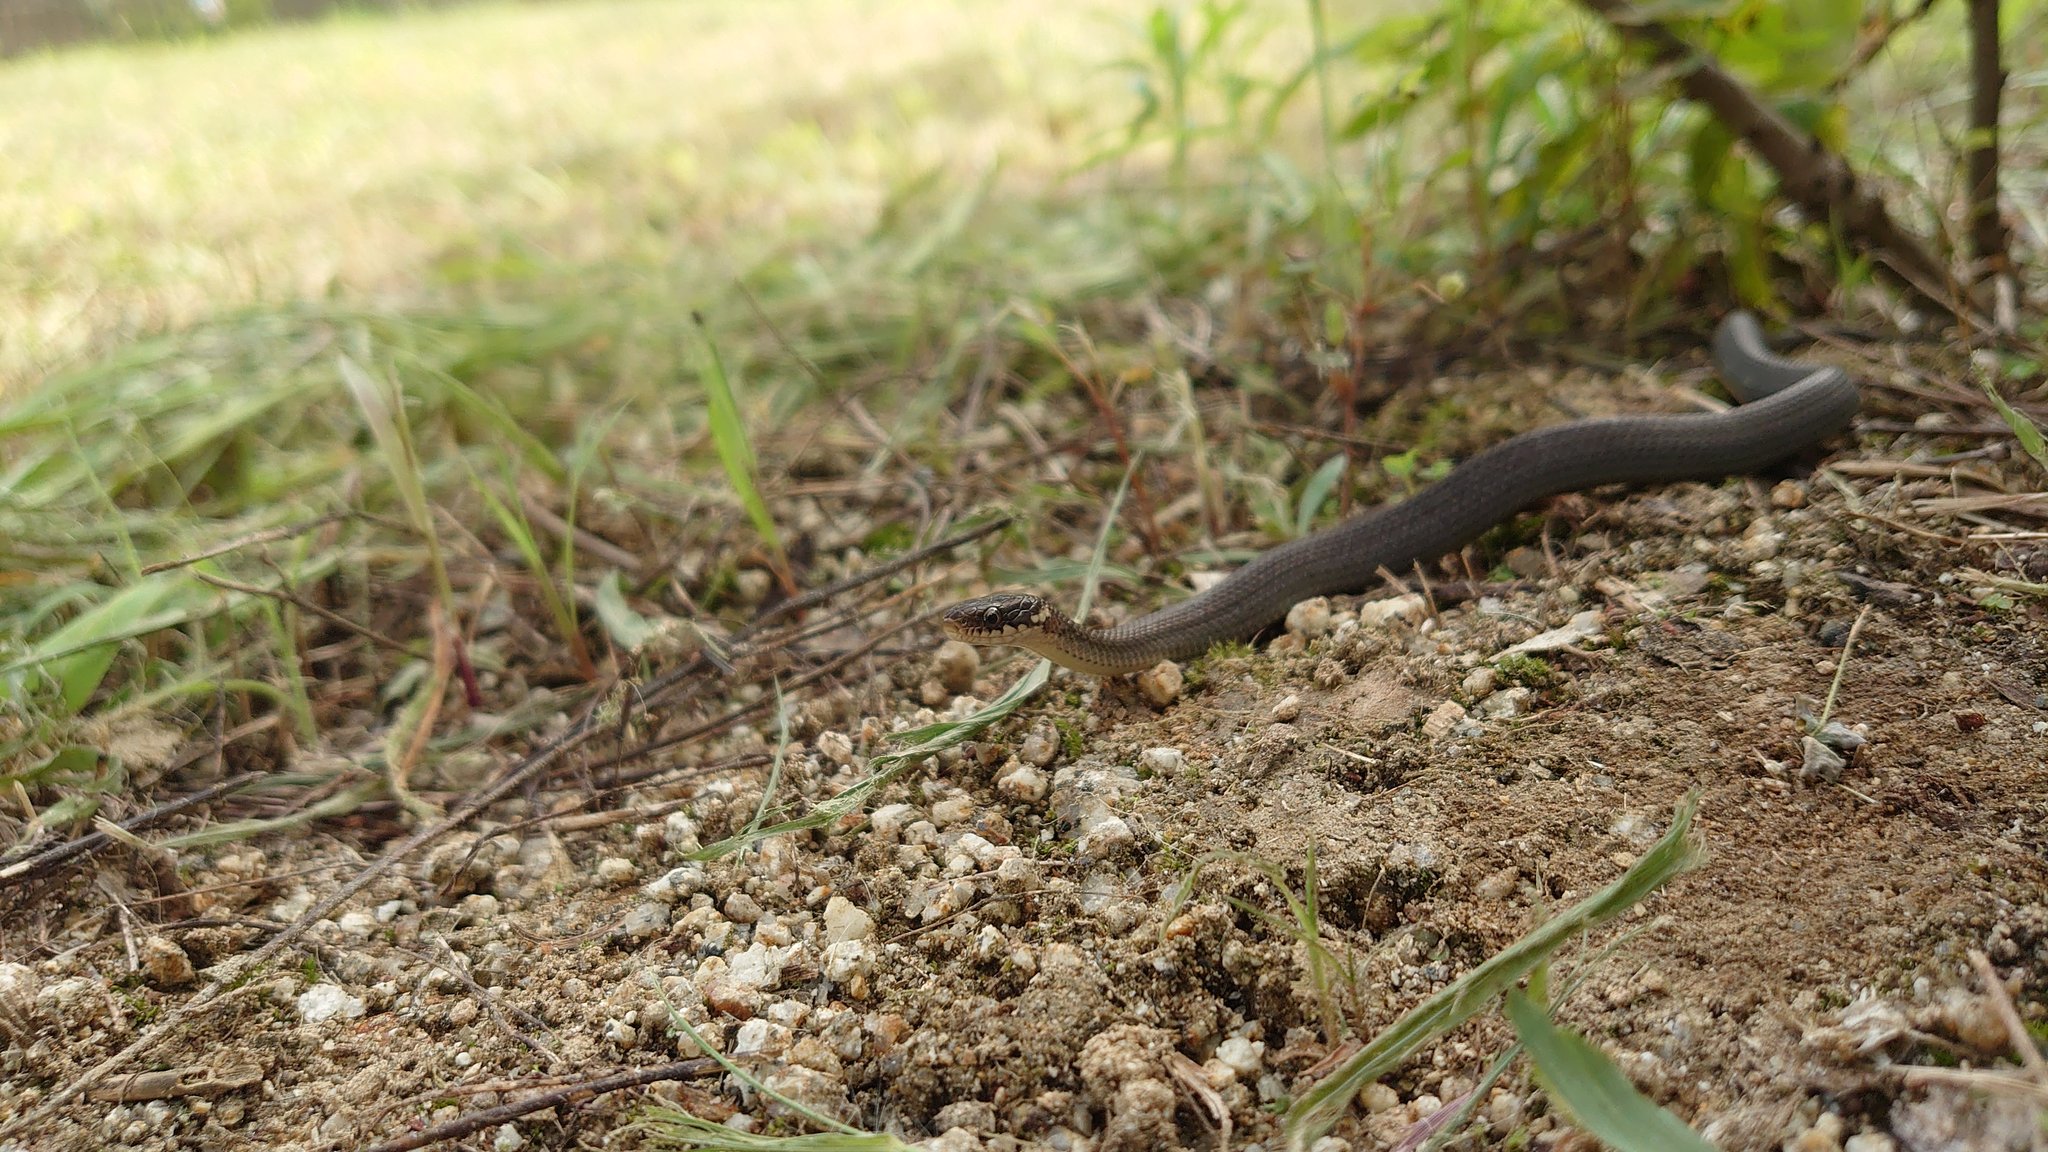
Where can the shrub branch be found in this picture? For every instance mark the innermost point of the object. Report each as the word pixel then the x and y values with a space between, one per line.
pixel 1815 178
pixel 1987 87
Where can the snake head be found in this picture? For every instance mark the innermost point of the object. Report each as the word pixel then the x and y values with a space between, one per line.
pixel 993 619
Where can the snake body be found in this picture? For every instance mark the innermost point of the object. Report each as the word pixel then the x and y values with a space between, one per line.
pixel 1783 407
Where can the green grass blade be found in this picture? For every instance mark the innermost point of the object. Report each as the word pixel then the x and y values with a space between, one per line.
pixel 928 741
pixel 2023 429
pixel 1323 1105
pixel 675 1128
pixel 340 804
pixel 79 655
pixel 512 521
pixel 1581 1077
pixel 735 452
pixel 1316 492
pixel 383 407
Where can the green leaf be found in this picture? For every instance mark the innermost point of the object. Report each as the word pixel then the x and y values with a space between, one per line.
pixel 79 654
pixel 1317 1110
pixel 627 628
pixel 1706 158
pixel 2023 429
pixel 1317 492
pixel 1601 1099
pixel 735 453
pixel 70 766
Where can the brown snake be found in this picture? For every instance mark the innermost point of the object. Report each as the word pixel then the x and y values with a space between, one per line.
pixel 1784 406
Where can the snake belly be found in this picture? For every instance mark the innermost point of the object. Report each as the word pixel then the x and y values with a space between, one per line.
pixel 1783 406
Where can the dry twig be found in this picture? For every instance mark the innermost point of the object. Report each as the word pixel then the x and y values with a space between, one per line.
pixel 571 1094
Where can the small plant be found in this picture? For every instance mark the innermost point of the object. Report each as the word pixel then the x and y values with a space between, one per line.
pixel 736 452
pixel 1526 670
pixel 1317 1111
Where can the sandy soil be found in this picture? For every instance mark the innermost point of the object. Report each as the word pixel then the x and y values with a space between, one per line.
pixel 1000 955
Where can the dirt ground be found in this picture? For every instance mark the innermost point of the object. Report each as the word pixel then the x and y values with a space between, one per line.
pixel 1002 954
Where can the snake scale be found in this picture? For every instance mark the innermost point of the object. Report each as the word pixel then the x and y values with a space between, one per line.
pixel 1783 406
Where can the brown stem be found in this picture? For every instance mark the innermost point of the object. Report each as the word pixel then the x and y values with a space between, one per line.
pixel 1816 179
pixel 1987 87
pixel 1875 39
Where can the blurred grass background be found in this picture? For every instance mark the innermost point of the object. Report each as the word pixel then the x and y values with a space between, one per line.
pixel 499 149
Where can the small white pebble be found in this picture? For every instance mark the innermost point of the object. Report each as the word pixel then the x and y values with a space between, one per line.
pixel 1503 704
pixel 1442 720
pixel 1479 682
pixel 1104 834
pixel 1377 1097
pixel 1244 1056
pixel 617 871
pixel 1408 609
pixel 324 1002
pixel 889 820
pixel 1022 782
pixel 1162 760
pixel 1288 709
pixel 977 848
pixel 750 585
pixel 1041 746
pixel 845 920
pixel 166 963
pixel 846 960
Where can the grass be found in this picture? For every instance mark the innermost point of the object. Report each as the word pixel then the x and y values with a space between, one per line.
pixel 491 147
pixel 386 297
pixel 1318 1110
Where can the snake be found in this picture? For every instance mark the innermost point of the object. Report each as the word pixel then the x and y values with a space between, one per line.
pixel 1783 407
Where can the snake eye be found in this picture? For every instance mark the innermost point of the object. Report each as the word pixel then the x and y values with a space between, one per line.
pixel 992 619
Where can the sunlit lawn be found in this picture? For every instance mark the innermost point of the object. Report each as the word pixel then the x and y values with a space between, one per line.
pixel 146 187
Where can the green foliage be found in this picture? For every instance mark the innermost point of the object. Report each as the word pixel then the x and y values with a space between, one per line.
pixel 1190 81
pixel 1526 670
pixel 1315 492
pixel 2024 429
pixel 1592 1089
pixel 735 450
pixel 1517 138
pixel 1319 1109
